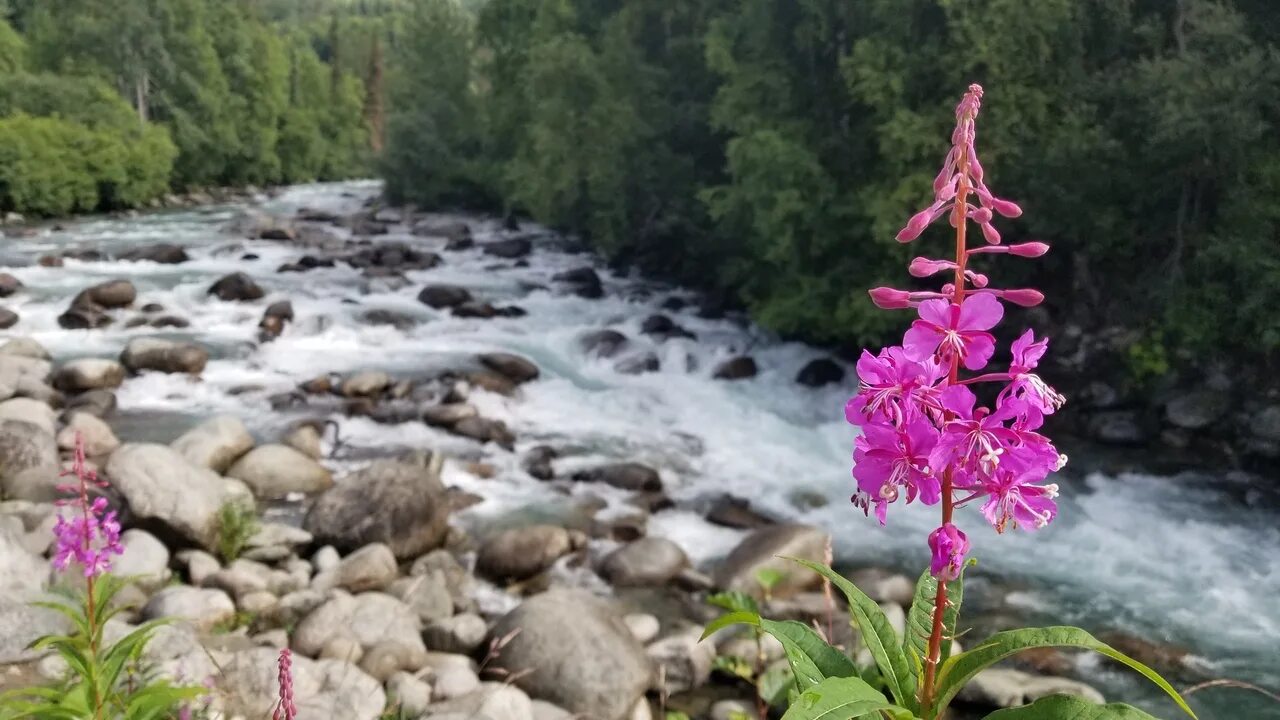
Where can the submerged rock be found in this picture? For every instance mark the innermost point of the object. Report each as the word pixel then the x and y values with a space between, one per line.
pixel 236 287
pixel 167 356
pixel 738 368
pixel 163 253
pixel 516 368
pixel 627 476
pixel 443 296
pixel 274 471
pixel 822 371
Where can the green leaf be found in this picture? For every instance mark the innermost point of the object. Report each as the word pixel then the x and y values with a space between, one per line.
pixel 841 699
pixel 734 601
pixel 776 684
pixel 878 635
pixel 741 617
pixel 961 668
pixel 1057 707
pixel 920 621
pixel 811 658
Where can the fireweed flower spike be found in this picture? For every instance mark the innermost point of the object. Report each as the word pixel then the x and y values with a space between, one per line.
pixel 285 708
pixel 923 433
pixel 87 532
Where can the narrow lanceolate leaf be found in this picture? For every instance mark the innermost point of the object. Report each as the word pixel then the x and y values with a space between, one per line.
pixel 920 621
pixel 741 617
pixel 878 635
pixel 812 660
pixel 842 699
pixel 1067 707
pixel 961 668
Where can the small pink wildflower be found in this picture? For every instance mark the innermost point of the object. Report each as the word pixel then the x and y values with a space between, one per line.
pixel 285 708
pixel 90 536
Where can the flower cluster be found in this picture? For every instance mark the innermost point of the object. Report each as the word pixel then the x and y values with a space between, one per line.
pixel 923 433
pixel 89 534
pixel 285 708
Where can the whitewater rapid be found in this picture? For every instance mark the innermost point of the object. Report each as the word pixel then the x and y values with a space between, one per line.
pixel 1155 556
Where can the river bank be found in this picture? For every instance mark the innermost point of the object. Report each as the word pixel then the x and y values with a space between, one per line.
pixel 391 317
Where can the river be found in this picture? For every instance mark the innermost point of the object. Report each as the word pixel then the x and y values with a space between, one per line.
pixel 1181 559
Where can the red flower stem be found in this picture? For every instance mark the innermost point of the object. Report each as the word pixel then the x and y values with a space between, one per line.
pixel 934 657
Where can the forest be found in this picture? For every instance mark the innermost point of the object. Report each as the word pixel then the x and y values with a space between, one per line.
pixel 769 150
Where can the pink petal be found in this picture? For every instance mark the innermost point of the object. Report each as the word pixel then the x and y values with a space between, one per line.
pixel 979 347
pixel 936 312
pixel 979 312
pixel 921 341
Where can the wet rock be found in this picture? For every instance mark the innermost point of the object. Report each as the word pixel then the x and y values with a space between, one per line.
pixel 398 320
pixel 737 368
pixel 627 476
pixel 735 512
pixel 274 471
pixel 397 503
pixel 167 356
pixel 443 296
pixel 516 368
pixel 458 634
pixel 583 282
pixel 322 689
pixel 97 435
pixel 1118 427
pixel 25 347
pixel 822 371
pixel 459 244
pixel 1003 688
pixel 639 364
pixel 306 439
pixel 1197 409
pixel 236 287
pixel 448 414
pixel 204 607
pixel 1158 655
pixel 170 321
pixel 521 553
pixel 485 430
pixel 83 318
pixel 537 462
pixel 370 383
pixel 434 227
pixel 492 381
pixel 163 253
pixel 372 567
pixel 475 309
pixel 765 549
pixel 215 443
pixel 9 285
pixel 163 488
pixel 96 402
pixel 110 294
pixel 8 318
pixel 574 650
pixel 603 343
pixel 664 328
pixel 648 561
pixel 24 445
pixel 509 248
pixel 274 318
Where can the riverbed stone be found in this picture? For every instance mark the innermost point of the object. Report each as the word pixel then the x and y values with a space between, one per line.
pixel 574 650
pixel 491 701
pixel 8 318
pixel 738 368
pixel 389 657
pixel 88 374
pixel 647 561
pixel 370 383
pixel 444 296
pixel 508 248
pixel 163 487
pixel 9 284
pixel 372 567
pixel 109 294
pixel 236 287
pixel 27 347
pixel 523 552
pixel 603 343
pixel 24 445
pixel 458 634
pixel 205 607
pixel 166 356
pixel 21 623
pixel 274 471
pixel 1118 427
pixel 428 595
pixel 163 253
pixel 410 694
pixel 322 688
pixel 30 411
pixel 819 372
pixel 402 504
pixel 582 281
pixel 369 618
pixel 685 660
pixel 1003 688
pixel 145 559
pixel 766 549
pixel 99 402
pixel 627 476
pixel 215 443
pixel 97 435
pixel 518 369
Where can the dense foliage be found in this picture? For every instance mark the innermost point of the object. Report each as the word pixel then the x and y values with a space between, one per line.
pixel 771 147
pixel 110 105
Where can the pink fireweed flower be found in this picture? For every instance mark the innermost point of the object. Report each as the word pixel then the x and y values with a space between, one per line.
pixel 86 533
pixel 949 546
pixel 893 387
pixel 1016 498
pixel 1026 385
pixel 955 331
pixel 285 708
pixel 889 459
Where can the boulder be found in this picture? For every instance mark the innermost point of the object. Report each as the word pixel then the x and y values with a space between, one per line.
pixel 574 649
pixel 372 567
pixel 443 296
pixel 165 489
pixel 484 430
pixel 458 634
pixel 475 309
pixel 685 660
pixel 88 374
pixel 321 689
pixel 819 372
pixel 1004 688
pixel 215 443
pixel 427 594
pixel 95 402
pixel 766 549
pixel 523 552
pixel 306 439
pixel 370 383
pixel 583 282
pixel 602 343
pixel 31 411
pixel 516 368
pixel 236 287
pixel 737 368
pixel 163 253
pixel 25 347
pixel 204 607
pixel 8 318
pixel 9 285
pixel 645 362
pixel 97 435
pixel 368 618
pixel 491 701
pixel 647 561
pixel 24 445
pixel 627 476
pixel 145 559
pixel 509 248
pixel 663 328
pixel 166 356
pixel 401 504
pixel 83 318
pixel 110 294
pixel 274 471
pixel 1197 409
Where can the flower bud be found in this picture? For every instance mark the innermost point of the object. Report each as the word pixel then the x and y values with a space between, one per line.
pixel 1031 249
pixel 915 225
pixel 978 279
pixel 990 234
pixel 1026 297
pixel 924 267
pixel 1005 207
pixel 982 216
pixel 888 298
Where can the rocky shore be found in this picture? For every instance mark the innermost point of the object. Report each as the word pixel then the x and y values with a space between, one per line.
pixel 390 603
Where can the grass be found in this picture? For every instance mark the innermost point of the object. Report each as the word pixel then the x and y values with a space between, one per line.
pixel 237 522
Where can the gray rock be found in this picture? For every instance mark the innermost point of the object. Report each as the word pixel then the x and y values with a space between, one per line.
pixel 88 374
pixel 1118 427
pixel 458 634
pixel 258 602
pixel 453 681
pixel 145 559
pixel 627 476
pixel 163 253
pixel 643 626
pixel 205 607
pixel 516 368
pixel 388 657
pixel 521 553
pixel 166 356
pixel 398 503
pixel 765 549
pixel 491 701
pixel 25 347
pixel 448 414
pixel 444 296
pixel 162 486
pixel 603 343
pixel 31 411
pixel 24 445
pixel 273 471
pixel 305 438
pixel 236 287
pixel 1197 409
pixel 369 383
pixel 445 568
pixel 1003 688
pixel 96 402
pixel 685 661
pixel 574 650
pixel 819 372
pixel 200 565
pixel 408 693
pixel 369 618
pixel 737 368
pixel 372 567
pixel 110 294
pixel 97 435
pixel 278 535
pixel 215 443
pixel 647 561
pixel 322 689
pixel 428 595
pixel 21 623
